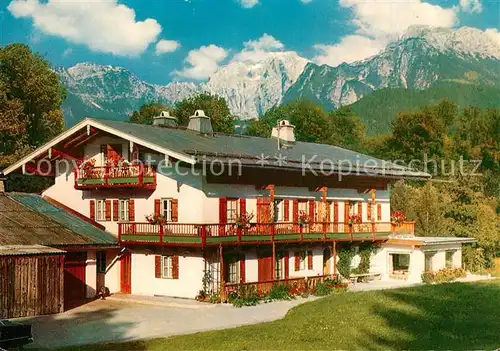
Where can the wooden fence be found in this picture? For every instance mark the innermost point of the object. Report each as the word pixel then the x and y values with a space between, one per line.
pixel 31 285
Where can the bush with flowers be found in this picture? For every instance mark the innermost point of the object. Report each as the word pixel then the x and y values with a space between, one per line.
pixel 243 220
pixel 156 219
pixel 303 218
pixel 398 217
pixel 443 275
pixel 355 218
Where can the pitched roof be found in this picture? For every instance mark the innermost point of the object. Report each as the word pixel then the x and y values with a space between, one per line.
pixel 28 219
pixel 27 250
pixel 193 147
pixel 252 150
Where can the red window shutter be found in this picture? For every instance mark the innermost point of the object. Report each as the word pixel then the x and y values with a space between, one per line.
pixel 360 210
pixel 175 267
pixel 115 210
pixel 286 210
pixel 309 260
pixel 286 263
pixel 297 261
pixel 157 266
pixel 223 210
pixel 108 210
pixel 242 268
pixel 335 212
pixel 379 212
pixel 157 207
pixel 369 212
pixel 312 210
pixel 295 211
pixel 175 210
pixel 131 210
pixel 347 208
pixel 92 210
pixel 243 206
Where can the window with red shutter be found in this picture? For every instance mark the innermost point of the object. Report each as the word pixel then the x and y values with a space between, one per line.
pixel 309 260
pixel 175 267
pixel 360 210
pixel 131 211
pixel 369 214
pixel 286 210
pixel 223 210
pixel 157 266
pixel 379 212
pixel 175 210
pixel 295 211
pixel 108 210
pixel 297 261
pixel 115 210
pixel 92 210
pixel 157 211
pixel 312 210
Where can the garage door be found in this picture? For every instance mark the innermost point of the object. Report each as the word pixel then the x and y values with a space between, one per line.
pixel 74 279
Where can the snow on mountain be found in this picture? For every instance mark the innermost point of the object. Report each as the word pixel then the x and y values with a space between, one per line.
pixel 422 57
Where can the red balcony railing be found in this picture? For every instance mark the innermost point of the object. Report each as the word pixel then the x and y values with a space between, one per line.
pixel 230 233
pixel 135 176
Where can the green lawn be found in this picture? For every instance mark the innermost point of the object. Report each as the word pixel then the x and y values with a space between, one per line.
pixel 449 316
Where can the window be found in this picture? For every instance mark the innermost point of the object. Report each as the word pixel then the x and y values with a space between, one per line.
pixel 100 210
pixel 279 210
pixel 428 261
pixel 233 274
pixel 166 267
pixel 123 207
pixel 449 259
pixel 166 209
pixel 279 268
pixel 101 261
pixel 303 258
pixel 303 206
pixel 232 210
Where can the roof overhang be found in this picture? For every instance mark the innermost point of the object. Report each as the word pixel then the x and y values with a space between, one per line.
pixel 87 123
pixel 429 241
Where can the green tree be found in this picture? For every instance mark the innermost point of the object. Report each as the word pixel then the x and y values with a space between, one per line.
pixel 347 129
pixel 214 106
pixel 147 112
pixel 30 102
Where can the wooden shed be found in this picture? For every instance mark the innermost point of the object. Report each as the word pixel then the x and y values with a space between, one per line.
pixel 31 280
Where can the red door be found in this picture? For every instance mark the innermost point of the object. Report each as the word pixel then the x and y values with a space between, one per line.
pixel 265 264
pixel 74 279
pixel 114 153
pixel 126 273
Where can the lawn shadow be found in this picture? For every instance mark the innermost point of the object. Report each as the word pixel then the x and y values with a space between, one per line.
pixel 450 316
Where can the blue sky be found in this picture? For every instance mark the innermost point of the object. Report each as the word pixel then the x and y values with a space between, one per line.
pixel 197 36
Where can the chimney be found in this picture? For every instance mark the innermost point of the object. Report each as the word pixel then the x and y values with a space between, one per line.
pixel 284 133
pixel 165 120
pixel 200 123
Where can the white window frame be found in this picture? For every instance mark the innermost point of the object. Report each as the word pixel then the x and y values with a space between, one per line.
pixel 166 208
pixel 166 267
pixel 280 266
pixel 279 210
pixel 233 270
pixel 429 257
pixel 446 253
pixel 100 210
pixel 303 261
pixel 232 210
pixel 123 210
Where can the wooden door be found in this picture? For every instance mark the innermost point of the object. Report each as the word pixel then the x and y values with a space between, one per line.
pixel 265 266
pixel 74 279
pixel 126 273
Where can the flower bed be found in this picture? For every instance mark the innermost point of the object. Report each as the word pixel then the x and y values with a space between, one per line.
pixel 443 275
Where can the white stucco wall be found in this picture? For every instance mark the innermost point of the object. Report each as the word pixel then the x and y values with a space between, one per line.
pixel 90 275
pixel 112 277
pixel 188 285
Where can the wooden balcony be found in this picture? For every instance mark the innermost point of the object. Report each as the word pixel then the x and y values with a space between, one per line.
pixel 107 177
pixel 259 233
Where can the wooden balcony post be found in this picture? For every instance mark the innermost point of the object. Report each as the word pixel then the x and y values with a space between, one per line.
pixel 203 235
pixel 334 248
pixel 301 230
pixel 141 174
pixel 350 231
pixel 161 231
pixel 239 233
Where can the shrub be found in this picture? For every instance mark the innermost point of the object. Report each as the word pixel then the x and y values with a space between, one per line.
pixel 280 292
pixel 443 275
pixel 346 255
pixel 244 296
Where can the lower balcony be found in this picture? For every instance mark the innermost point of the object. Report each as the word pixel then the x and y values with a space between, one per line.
pixel 256 233
pixel 129 176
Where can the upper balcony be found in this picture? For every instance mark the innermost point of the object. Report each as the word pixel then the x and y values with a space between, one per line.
pixel 107 177
pixel 256 233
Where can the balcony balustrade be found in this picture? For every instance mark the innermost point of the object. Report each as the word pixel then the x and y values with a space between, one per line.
pixel 231 234
pixel 127 176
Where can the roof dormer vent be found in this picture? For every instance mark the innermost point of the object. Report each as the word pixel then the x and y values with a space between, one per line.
pixel 200 123
pixel 165 120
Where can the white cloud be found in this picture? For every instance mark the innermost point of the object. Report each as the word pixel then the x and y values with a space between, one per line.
pixel 248 3
pixel 377 22
pixel 471 6
pixel 202 62
pixel 257 50
pixel 305 1
pixel 166 46
pixel 103 26
pixel 350 48
pixel 67 52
